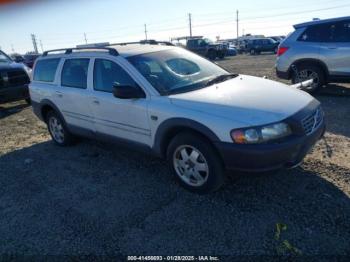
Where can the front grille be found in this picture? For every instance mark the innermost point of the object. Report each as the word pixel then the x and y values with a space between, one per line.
pixel 17 78
pixel 313 121
pixel 13 78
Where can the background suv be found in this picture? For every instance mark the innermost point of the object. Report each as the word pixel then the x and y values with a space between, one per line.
pixel 319 50
pixel 14 80
pixel 256 46
pixel 205 47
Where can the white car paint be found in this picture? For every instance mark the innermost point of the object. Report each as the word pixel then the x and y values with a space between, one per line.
pixel 249 99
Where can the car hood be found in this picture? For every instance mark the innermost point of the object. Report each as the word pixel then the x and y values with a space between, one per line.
pixel 245 99
pixel 10 65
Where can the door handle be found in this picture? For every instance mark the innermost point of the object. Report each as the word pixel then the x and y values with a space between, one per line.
pixel 59 94
pixel 332 47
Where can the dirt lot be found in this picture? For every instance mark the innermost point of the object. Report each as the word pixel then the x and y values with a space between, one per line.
pixel 100 199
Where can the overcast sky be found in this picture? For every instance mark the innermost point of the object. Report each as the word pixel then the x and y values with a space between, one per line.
pixel 62 23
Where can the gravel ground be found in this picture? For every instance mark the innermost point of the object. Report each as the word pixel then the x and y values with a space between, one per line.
pixel 99 199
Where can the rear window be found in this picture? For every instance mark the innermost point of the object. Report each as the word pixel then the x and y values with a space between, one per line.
pixel 74 73
pixel 45 70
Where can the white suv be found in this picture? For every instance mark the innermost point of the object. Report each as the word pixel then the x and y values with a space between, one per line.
pixel 177 105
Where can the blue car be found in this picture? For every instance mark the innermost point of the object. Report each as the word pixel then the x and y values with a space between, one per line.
pixel 231 51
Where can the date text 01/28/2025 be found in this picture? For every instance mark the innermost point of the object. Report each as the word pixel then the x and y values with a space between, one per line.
pixel 173 258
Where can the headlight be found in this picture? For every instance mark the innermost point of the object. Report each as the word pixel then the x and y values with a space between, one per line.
pixel 260 134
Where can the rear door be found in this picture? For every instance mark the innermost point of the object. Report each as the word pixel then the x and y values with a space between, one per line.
pixel 336 48
pixel 73 94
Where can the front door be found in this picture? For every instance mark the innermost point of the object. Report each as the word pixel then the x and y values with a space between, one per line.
pixel 121 118
pixel 336 48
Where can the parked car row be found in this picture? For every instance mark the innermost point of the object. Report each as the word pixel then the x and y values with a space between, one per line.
pixel 27 59
pixel 202 46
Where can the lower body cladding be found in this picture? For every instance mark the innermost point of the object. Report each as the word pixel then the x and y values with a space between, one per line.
pixel 266 157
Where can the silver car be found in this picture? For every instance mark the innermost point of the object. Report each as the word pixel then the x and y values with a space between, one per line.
pixel 318 50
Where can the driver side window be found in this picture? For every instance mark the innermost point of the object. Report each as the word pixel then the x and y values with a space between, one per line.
pixel 106 73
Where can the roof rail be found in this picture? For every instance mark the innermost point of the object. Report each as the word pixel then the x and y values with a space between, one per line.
pixel 185 38
pixel 111 51
pixel 145 42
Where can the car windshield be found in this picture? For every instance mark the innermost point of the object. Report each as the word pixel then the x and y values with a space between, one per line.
pixel 4 58
pixel 177 70
pixel 208 41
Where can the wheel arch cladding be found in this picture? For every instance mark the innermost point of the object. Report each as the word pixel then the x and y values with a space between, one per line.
pixel 171 127
pixel 46 106
pixel 311 61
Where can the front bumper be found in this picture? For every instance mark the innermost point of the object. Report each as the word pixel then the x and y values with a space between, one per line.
pixel 14 93
pixel 265 157
pixel 286 153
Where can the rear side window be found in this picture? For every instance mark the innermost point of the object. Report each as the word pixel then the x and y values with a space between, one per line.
pixel 341 32
pixel 45 70
pixel 316 33
pixel 74 73
pixel 106 73
pixel 329 32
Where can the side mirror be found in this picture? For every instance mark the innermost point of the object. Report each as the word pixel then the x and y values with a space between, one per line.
pixel 127 92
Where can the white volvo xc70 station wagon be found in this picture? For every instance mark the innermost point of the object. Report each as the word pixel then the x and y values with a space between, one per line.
pixel 179 106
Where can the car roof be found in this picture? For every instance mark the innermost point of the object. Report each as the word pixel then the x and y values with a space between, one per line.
pixel 316 22
pixel 124 50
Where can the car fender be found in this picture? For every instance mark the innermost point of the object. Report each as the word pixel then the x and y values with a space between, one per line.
pixel 172 126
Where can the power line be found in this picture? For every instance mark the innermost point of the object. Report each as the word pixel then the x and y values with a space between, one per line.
pixel 298 13
pixel 252 10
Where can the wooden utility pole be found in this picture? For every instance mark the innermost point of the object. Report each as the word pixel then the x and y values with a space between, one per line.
pixel 190 23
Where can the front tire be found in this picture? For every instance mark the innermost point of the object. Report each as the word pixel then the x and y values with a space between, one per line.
pixel 195 163
pixel 58 130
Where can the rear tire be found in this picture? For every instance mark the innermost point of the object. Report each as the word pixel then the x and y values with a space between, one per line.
pixel 195 163
pixel 308 71
pixel 58 130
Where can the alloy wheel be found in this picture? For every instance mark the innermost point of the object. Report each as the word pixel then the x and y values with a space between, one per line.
pixel 190 165
pixel 308 74
pixel 56 129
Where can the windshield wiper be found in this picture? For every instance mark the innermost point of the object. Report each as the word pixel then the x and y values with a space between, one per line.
pixel 220 78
